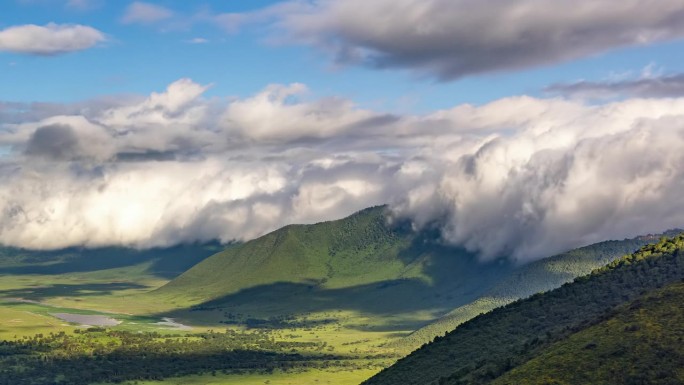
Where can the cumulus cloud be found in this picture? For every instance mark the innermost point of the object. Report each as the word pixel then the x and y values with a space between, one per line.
pixel 449 39
pixel 145 13
pixel 520 177
pixel 668 86
pixel 67 138
pixel 51 39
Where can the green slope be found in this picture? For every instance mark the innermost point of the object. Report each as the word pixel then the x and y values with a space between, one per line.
pixel 334 254
pixel 400 280
pixel 640 343
pixel 359 263
pixel 488 346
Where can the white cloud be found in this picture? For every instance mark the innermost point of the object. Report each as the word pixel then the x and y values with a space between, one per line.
pixel 145 13
pixel 269 116
pixel 449 39
pixel 520 176
pixel 51 39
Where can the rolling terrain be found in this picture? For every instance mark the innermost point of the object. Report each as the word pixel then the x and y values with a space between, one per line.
pixel 35 283
pixel 346 297
pixel 360 264
pixel 385 275
pixel 587 331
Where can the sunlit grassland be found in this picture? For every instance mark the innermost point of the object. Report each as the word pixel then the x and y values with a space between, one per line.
pixel 105 290
pixel 345 333
pixel 351 290
pixel 364 350
pixel 17 323
pixel 112 292
pixel 120 293
pixel 26 319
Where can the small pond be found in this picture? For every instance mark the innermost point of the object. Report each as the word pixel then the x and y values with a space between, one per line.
pixel 87 319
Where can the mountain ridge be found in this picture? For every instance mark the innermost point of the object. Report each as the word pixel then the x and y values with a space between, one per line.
pixel 483 348
pixel 368 265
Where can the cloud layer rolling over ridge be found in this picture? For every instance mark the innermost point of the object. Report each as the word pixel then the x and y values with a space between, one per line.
pixel 520 176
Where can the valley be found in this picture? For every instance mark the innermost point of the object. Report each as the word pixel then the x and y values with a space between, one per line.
pixel 333 303
pixel 341 192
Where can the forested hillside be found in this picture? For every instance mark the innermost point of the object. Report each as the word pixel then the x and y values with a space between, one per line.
pixel 639 343
pixel 536 277
pixel 487 347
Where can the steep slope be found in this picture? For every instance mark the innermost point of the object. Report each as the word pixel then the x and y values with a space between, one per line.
pixel 539 276
pixel 490 345
pixel 640 343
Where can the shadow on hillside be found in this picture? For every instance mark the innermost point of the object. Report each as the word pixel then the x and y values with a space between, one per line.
pixel 69 290
pixel 388 300
pixel 452 278
pixel 164 262
pixel 391 303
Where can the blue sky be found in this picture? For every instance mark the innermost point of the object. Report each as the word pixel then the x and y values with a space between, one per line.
pixel 140 58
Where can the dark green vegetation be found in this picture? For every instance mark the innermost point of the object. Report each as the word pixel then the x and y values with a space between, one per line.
pixel 536 277
pixel 639 343
pixel 96 355
pixel 514 344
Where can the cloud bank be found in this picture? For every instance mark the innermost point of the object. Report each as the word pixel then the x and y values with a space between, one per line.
pixel 520 177
pixel 48 40
pixel 648 87
pixel 450 39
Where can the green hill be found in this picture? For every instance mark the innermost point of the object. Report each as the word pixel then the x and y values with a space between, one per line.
pixel 516 343
pixel 360 263
pixel 640 343
pixel 399 279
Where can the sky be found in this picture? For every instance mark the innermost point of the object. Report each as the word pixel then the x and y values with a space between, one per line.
pixel 520 129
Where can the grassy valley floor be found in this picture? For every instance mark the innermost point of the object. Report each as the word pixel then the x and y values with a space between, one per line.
pixel 30 302
pixel 328 303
